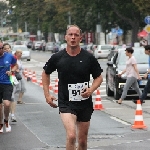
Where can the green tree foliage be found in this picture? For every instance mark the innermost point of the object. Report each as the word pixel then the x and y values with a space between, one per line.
pixel 52 15
pixel 143 6
pixel 120 12
pixel 3 11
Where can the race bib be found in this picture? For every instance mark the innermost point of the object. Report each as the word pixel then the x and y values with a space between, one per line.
pixel 75 91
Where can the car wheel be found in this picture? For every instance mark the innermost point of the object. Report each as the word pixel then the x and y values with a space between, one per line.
pixel 108 91
pixel 116 93
pixel 28 59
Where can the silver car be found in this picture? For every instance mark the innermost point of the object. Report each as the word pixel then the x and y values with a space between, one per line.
pixel 49 46
pixel 102 51
pixel 25 51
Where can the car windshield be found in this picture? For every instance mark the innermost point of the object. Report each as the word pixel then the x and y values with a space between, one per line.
pixel 50 44
pixel 105 47
pixel 20 48
pixel 139 54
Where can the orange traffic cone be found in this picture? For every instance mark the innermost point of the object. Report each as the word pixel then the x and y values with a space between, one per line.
pixel 50 87
pixel 138 123
pixel 25 73
pixel 56 87
pixel 98 103
pixel 40 83
pixel 34 80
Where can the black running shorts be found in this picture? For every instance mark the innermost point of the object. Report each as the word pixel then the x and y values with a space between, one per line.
pixel 83 115
pixel 5 92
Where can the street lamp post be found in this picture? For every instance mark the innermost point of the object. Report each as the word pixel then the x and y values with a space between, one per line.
pixel 69 18
pixel 69 14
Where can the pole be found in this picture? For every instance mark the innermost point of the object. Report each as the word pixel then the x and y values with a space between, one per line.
pixel 39 32
pixel 69 14
pixel 69 18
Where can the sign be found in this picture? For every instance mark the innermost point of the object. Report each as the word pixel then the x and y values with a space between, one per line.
pixel 147 28
pixel 117 31
pixel 147 19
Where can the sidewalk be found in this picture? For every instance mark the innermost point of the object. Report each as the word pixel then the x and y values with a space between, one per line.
pixel 127 111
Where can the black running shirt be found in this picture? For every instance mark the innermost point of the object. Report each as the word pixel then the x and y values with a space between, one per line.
pixel 73 70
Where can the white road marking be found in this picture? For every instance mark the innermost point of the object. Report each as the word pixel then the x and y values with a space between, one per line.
pixel 118 120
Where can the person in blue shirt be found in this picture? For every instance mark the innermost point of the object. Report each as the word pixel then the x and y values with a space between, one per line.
pixel 6 87
pixel 146 76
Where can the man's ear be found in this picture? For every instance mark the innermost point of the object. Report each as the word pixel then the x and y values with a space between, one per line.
pixel 65 37
pixel 80 38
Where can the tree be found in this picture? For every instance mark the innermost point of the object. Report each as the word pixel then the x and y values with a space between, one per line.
pixel 3 12
pixel 143 6
pixel 123 13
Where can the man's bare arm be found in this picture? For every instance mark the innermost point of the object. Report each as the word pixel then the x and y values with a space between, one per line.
pixel 46 83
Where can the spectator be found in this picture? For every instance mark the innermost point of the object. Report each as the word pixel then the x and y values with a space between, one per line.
pixel 20 88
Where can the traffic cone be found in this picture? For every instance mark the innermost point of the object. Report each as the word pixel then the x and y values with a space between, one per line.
pixel 29 77
pixel 50 87
pixel 98 103
pixel 40 83
pixel 138 123
pixel 25 73
pixel 56 87
pixel 34 80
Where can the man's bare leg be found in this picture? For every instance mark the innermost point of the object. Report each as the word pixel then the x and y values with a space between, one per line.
pixel 69 121
pixel 6 109
pixel 1 113
pixel 82 130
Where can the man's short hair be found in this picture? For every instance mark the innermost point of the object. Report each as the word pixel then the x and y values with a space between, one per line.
pixel 74 26
pixel 129 50
pixel 147 47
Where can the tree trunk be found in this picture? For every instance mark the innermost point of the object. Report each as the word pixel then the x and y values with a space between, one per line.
pixel 135 30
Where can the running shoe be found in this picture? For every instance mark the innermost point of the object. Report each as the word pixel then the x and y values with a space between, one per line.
pixel 13 119
pixel 1 128
pixel 7 126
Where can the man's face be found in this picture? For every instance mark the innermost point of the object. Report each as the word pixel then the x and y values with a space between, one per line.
pixel 1 49
pixel 73 37
pixel 7 48
pixel 147 52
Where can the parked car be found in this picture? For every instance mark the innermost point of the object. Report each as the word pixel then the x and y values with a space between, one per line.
pixel 115 84
pixel 29 44
pixel 56 48
pixel 114 50
pixel 50 46
pixel 25 51
pixel 83 47
pixel 62 46
pixel 102 51
pixel 37 45
pixel 18 42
